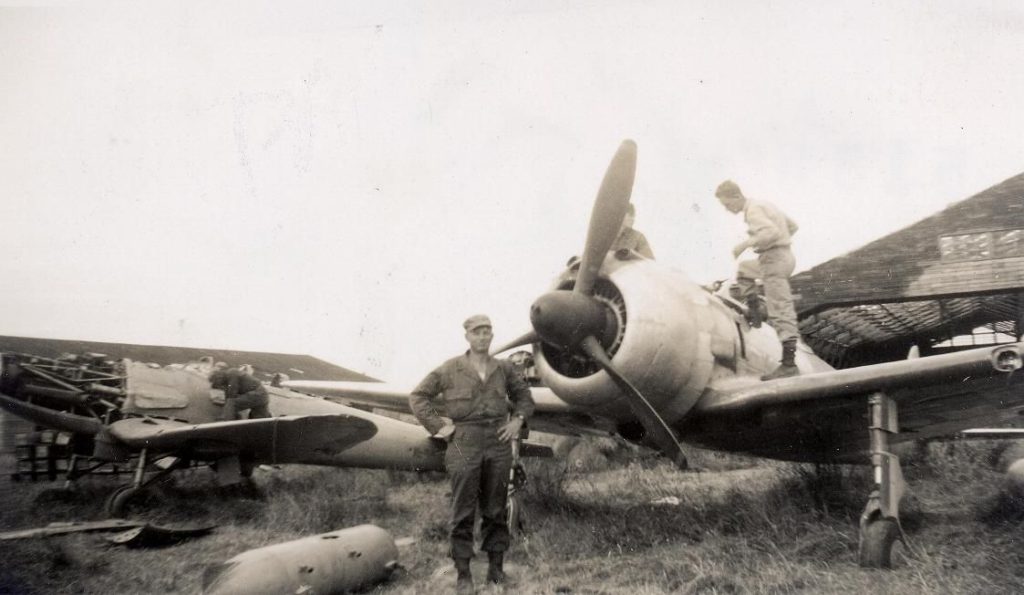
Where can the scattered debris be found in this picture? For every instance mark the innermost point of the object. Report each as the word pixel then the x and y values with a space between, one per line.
pixel 154 536
pixel 138 533
pixel 66 527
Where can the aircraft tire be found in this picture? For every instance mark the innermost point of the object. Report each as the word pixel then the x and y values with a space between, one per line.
pixel 116 503
pixel 877 543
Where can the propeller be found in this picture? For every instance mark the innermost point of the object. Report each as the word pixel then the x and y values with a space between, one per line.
pixel 605 222
pixel 660 433
pixel 526 339
pixel 575 320
pixel 607 214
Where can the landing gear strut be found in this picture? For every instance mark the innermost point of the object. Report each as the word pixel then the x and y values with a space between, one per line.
pixel 115 504
pixel 880 532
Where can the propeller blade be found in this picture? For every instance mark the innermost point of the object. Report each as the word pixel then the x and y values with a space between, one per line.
pixel 528 339
pixel 607 214
pixel 659 431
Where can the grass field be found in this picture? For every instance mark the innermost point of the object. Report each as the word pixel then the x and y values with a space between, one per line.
pixel 637 526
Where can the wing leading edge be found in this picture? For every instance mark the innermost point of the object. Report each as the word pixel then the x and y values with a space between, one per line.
pixel 343 440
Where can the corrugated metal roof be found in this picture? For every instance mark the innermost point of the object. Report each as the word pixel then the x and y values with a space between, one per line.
pixel 943 276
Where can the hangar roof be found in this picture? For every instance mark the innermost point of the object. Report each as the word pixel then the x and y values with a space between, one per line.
pixel 943 276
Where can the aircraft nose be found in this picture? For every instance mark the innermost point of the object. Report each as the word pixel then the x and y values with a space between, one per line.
pixel 563 318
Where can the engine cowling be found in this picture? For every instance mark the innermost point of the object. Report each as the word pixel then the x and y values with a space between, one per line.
pixel 660 340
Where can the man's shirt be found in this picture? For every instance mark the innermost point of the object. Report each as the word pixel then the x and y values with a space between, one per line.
pixel 632 239
pixel 234 383
pixel 456 390
pixel 767 226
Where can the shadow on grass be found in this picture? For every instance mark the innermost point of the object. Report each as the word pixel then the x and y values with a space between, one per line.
pixel 1004 509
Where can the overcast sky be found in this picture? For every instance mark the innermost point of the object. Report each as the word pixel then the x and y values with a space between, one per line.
pixel 351 180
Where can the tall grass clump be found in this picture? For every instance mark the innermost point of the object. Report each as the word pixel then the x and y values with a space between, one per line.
pixel 811 511
pixel 979 465
pixel 317 500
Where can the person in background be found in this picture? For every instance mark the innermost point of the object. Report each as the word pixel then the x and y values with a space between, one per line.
pixel 631 239
pixel 241 392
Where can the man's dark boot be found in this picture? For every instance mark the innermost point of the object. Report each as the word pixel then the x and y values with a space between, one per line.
pixel 757 313
pixel 464 580
pixel 495 573
pixel 788 366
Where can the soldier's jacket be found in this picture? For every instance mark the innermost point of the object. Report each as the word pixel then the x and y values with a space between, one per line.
pixel 234 383
pixel 631 239
pixel 767 226
pixel 456 391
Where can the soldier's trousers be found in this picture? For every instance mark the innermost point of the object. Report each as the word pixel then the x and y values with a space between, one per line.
pixel 773 267
pixel 255 401
pixel 478 465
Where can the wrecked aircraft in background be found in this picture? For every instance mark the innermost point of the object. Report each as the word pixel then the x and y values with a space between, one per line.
pixel 167 418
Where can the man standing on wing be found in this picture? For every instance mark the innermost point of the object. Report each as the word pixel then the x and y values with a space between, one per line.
pixel 769 233
pixel 487 401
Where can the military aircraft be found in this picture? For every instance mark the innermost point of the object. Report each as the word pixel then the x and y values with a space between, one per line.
pixel 166 418
pixel 625 344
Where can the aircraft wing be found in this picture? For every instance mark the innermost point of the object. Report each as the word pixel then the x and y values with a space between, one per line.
pixel 376 394
pixel 993 433
pixel 285 439
pixel 824 416
pixel 551 414
pixel 356 439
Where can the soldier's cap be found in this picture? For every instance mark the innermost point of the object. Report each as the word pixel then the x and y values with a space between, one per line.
pixel 476 320
pixel 728 189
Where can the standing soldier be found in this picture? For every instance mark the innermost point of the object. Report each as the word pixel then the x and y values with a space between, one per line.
pixel 769 231
pixel 487 401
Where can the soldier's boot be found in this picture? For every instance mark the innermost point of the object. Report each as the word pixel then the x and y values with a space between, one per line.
pixel 788 366
pixel 757 311
pixel 464 579
pixel 495 573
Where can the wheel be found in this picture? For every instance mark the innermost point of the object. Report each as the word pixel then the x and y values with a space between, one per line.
pixel 118 500
pixel 881 544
